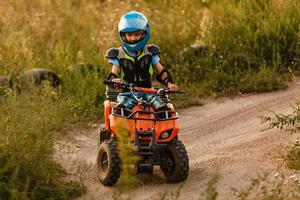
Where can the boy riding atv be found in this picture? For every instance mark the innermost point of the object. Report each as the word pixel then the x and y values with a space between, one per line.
pixel 135 60
pixel 152 124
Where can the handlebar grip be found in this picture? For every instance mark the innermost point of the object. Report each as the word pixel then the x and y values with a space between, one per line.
pixel 106 82
pixel 145 90
pixel 112 83
pixel 109 82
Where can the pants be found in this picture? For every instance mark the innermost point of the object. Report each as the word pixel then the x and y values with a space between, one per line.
pixel 127 100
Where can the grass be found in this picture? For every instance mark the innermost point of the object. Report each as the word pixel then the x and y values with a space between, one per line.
pixel 207 193
pixel 287 123
pixel 245 53
pixel 210 192
pixel 252 46
pixel 170 195
pixel 270 187
pixel 293 156
pixel 249 42
pixel 129 156
pixel 29 124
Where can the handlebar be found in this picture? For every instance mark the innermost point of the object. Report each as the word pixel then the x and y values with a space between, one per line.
pixel 132 87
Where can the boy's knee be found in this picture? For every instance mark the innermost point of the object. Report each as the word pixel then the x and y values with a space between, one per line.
pixel 170 106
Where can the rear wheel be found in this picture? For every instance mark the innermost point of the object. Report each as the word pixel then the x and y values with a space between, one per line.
pixel 174 162
pixel 108 163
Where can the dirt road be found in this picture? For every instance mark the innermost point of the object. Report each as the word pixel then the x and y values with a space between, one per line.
pixel 222 136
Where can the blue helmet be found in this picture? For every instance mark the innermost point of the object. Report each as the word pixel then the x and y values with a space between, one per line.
pixel 131 22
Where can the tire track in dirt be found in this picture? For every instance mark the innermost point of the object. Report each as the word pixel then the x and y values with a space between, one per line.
pixel 209 136
pixel 223 135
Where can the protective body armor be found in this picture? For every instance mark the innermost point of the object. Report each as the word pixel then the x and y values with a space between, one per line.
pixel 136 70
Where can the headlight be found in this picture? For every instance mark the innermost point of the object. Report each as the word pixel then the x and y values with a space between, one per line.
pixel 164 135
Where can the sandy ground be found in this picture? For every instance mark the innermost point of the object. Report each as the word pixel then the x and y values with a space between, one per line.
pixel 222 136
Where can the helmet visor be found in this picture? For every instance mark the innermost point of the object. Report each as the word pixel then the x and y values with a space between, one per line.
pixel 132 24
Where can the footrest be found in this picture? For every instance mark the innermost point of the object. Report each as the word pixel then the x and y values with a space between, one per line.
pixel 145 147
pixel 143 168
pixel 145 153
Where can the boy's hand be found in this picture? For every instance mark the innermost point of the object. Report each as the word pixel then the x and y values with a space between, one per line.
pixel 116 80
pixel 172 87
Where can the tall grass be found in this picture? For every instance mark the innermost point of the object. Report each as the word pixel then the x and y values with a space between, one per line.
pixel 270 187
pixel 28 128
pixel 254 45
pixel 128 154
pixel 293 156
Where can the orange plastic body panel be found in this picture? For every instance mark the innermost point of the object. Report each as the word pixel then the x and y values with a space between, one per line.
pixel 107 111
pixel 144 125
pixel 145 90
pixel 118 123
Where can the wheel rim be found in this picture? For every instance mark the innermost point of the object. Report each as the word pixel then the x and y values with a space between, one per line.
pixel 103 163
pixel 170 163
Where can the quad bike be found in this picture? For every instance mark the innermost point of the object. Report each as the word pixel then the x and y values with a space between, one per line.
pixel 155 135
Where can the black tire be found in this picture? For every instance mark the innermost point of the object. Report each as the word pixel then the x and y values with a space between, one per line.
pixel 108 163
pixel 104 135
pixel 174 162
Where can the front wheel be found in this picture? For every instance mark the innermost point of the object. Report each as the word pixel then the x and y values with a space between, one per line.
pixel 174 162
pixel 108 163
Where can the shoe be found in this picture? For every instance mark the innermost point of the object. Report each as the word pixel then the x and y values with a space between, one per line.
pixel 161 107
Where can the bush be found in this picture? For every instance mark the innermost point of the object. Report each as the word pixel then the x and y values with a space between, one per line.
pixel 289 123
pixel 293 156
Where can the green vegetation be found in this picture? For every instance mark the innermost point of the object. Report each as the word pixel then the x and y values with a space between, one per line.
pixel 293 156
pixel 253 45
pixel 243 46
pixel 288 123
pixel 270 187
pixel 210 192
pixel 128 155
pixel 170 195
pixel 28 127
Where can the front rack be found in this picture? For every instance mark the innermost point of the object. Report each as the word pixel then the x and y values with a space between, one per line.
pixel 163 115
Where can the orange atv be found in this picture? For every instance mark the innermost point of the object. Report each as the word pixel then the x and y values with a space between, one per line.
pixel 154 133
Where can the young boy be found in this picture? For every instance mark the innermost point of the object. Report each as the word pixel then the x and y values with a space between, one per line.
pixel 135 60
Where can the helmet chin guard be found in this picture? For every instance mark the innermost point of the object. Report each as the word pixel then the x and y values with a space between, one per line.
pixel 131 22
